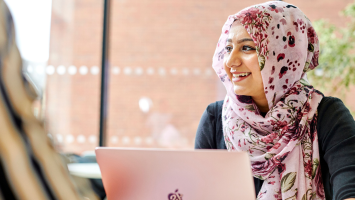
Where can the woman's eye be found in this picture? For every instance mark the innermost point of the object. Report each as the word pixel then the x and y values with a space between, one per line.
pixel 228 49
pixel 247 48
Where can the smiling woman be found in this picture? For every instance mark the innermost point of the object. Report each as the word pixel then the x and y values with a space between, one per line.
pixel 242 66
pixel 301 144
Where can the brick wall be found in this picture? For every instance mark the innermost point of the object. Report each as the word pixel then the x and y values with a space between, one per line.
pixel 161 50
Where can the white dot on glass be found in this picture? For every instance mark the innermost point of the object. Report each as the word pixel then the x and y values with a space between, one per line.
pixel 145 104
pixel 127 70
pixel 92 139
pixel 115 70
pixel 72 70
pixel 196 71
pixel 208 72
pixel 59 138
pixel 173 71
pixel 185 71
pixel 150 71
pixel 69 138
pixel 149 140
pixel 50 69
pixel 137 140
pixel 94 70
pixel 126 140
pixel 81 139
pixel 139 71
pixel 61 70
pixel 162 71
pixel 40 69
pixel 83 70
pixel 114 139
pixel 29 69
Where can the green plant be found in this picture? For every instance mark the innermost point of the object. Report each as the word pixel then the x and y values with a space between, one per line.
pixel 336 70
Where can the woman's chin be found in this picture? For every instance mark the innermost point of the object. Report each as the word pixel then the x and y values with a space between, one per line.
pixel 240 90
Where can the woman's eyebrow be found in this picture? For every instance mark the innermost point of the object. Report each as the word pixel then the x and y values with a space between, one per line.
pixel 244 40
pixel 241 40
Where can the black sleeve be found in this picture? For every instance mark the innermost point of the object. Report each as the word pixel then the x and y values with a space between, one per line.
pixel 206 129
pixel 336 131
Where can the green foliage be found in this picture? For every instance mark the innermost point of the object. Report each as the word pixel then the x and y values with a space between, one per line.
pixel 336 70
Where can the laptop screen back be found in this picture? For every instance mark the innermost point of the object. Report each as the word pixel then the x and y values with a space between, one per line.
pixel 132 174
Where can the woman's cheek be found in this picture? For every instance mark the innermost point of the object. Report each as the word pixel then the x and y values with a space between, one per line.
pixel 227 69
pixel 254 63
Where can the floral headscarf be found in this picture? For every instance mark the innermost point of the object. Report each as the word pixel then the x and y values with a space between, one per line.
pixel 283 145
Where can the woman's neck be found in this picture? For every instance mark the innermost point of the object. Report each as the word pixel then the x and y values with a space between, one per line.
pixel 261 102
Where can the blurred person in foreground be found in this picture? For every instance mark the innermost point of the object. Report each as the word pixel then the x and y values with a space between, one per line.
pixel 30 168
pixel 301 144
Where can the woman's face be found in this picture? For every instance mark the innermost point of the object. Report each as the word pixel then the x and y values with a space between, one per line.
pixel 241 63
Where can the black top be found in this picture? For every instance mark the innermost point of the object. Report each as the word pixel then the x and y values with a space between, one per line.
pixel 336 137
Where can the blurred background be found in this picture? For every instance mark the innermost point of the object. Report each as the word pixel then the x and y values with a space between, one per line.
pixel 160 78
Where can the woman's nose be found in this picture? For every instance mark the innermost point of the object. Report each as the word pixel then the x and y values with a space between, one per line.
pixel 233 60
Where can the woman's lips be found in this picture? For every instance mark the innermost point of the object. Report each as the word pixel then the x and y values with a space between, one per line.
pixel 237 79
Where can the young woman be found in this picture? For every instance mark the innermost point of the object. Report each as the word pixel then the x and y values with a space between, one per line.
pixel 300 143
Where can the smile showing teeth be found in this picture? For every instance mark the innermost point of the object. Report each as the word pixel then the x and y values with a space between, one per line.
pixel 241 74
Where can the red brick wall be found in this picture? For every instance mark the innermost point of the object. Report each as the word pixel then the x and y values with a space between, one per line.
pixel 157 34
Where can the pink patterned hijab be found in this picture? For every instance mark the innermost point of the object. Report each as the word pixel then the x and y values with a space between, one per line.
pixel 283 145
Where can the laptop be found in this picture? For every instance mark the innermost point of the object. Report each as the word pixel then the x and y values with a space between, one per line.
pixel 152 174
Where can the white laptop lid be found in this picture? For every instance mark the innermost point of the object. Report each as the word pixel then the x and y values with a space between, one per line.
pixel 140 174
